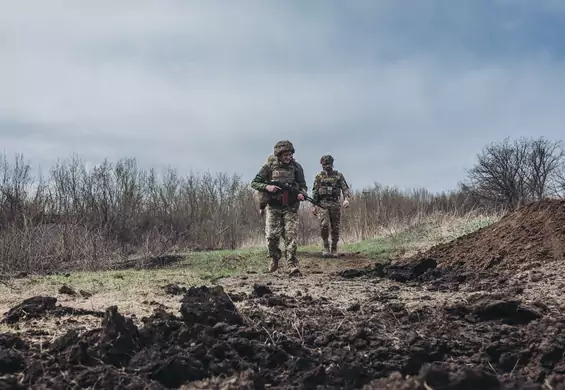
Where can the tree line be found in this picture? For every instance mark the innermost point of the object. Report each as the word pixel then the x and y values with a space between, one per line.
pixel 76 217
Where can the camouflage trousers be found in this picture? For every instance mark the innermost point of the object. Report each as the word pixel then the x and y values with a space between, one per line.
pixel 330 221
pixel 282 223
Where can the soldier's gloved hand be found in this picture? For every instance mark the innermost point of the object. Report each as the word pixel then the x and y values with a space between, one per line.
pixel 314 211
pixel 346 203
pixel 300 197
pixel 272 188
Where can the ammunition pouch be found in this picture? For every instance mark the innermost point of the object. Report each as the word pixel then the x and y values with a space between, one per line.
pixel 329 191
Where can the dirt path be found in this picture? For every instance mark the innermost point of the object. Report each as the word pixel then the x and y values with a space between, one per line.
pixel 320 279
pixel 317 280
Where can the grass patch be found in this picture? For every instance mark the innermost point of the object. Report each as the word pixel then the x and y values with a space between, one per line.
pixel 420 235
pixel 378 248
pixel 210 266
pixel 135 290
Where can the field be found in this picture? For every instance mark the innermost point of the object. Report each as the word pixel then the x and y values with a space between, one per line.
pixel 451 303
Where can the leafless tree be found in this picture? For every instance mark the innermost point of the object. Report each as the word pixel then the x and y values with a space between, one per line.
pixel 513 172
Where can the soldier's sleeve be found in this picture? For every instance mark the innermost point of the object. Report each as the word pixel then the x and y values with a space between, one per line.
pixel 259 183
pixel 301 180
pixel 344 186
pixel 316 188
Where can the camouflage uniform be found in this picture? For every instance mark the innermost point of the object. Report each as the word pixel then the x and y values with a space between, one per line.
pixel 281 219
pixel 326 190
pixel 263 195
pixel 264 198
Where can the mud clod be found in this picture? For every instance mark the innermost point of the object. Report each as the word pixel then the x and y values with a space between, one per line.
pixel 208 306
pixel 34 307
pixel 260 290
pixel 40 306
pixel 410 271
pixel 10 361
pixel 486 308
pixel 67 290
pixel 174 289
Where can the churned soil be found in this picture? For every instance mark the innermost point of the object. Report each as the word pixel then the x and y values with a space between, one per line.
pixel 450 318
pixel 527 238
pixel 490 341
pixel 525 245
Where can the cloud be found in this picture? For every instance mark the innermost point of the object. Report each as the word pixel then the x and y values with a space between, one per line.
pixel 402 94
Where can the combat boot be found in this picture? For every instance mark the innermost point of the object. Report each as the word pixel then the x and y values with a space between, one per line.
pixel 293 266
pixel 274 265
pixel 294 271
pixel 326 250
pixel 333 252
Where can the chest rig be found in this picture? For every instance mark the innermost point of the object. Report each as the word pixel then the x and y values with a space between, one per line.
pixel 285 176
pixel 329 187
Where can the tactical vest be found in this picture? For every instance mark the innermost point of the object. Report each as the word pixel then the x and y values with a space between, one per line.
pixel 329 186
pixel 284 174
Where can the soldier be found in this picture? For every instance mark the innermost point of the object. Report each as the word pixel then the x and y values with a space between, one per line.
pixel 326 190
pixel 282 205
pixel 264 198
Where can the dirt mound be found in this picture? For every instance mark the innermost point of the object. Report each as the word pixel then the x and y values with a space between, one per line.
pixel 528 238
pixel 174 289
pixel 40 306
pixel 533 233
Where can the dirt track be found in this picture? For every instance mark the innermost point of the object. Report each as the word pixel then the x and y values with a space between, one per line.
pixel 431 322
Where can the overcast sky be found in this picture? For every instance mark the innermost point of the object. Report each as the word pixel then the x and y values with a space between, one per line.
pixel 402 93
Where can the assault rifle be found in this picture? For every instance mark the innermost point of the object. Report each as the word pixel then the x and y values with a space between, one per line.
pixel 290 191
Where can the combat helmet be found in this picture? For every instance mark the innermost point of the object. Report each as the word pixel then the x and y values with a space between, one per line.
pixel 327 159
pixel 283 146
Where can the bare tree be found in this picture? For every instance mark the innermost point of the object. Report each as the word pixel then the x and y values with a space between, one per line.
pixel 545 160
pixel 512 172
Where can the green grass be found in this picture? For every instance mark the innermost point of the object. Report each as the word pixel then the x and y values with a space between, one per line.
pixel 210 266
pixel 127 288
pixel 420 236
pixel 376 249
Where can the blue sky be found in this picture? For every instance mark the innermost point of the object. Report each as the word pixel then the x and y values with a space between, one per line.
pixel 402 93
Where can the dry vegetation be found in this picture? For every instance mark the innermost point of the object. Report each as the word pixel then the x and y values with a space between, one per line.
pixel 76 217
pixel 90 219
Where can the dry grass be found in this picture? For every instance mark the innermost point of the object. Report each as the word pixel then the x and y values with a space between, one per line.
pixel 403 240
pixel 138 292
pixel 440 228
pixel 132 290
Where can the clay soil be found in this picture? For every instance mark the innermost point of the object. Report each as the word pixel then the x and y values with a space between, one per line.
pixel 483 312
